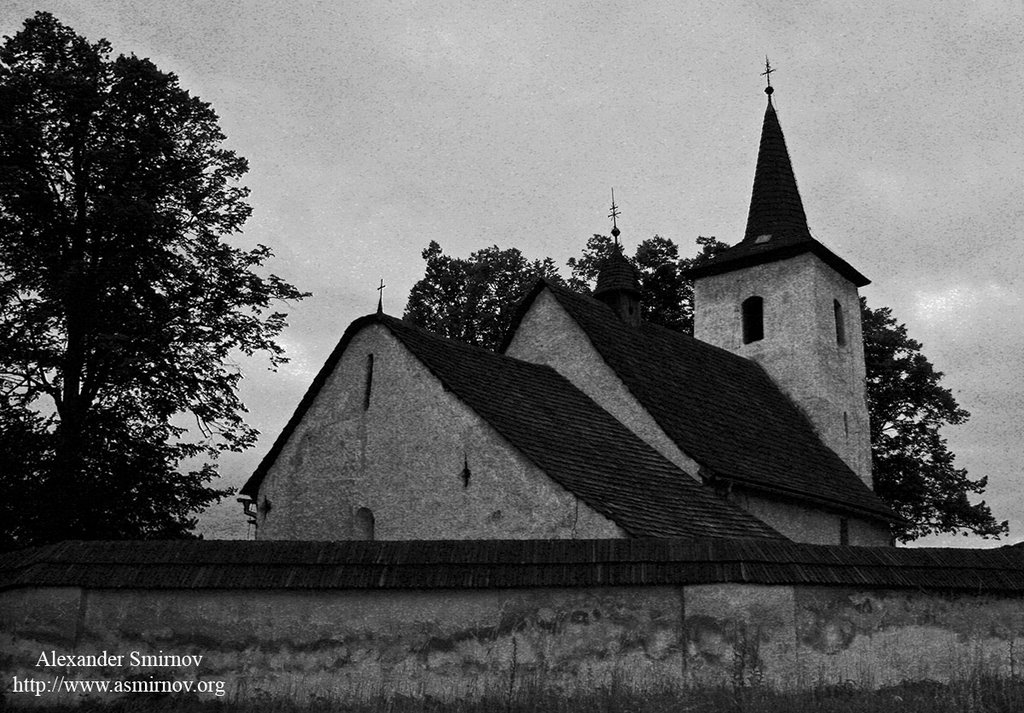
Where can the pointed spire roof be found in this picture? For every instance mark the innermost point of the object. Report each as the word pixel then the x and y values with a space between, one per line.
pixel 775 205
pixel 776 223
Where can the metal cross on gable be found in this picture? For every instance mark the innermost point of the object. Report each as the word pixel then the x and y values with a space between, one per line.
pixel 380 296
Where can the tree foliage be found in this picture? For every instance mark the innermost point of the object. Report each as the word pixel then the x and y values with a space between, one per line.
pixel 121 304
pixel 473 300
pixel 913 469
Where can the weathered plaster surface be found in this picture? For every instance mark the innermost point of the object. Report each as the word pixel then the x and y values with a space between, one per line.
pixel 739 634
pixel 357 644
pixel 548 335
pixel 404 459
pixel 799 348
pixel 814 525
pixel 472 642
pixel 880 637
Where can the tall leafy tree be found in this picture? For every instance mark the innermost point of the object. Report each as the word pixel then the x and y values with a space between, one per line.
pixel 121 303
pixel 913 469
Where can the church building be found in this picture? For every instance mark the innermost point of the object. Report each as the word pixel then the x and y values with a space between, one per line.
pixel 591 423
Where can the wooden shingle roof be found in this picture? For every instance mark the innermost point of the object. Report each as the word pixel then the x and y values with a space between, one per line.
pixel 282 565
pixel 563 432
pixel 721 409
pixel 617 274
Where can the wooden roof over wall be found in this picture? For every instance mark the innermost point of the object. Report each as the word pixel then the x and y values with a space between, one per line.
pixel 448 564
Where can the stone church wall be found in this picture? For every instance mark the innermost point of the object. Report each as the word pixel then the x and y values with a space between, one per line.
pixel 302 644
pixel 413 456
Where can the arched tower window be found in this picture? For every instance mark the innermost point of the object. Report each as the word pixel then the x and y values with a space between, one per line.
pixel 364 524
pixel 837 309
pixel 753 319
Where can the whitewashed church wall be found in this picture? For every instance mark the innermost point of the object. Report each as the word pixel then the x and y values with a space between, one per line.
pixel 467 643
pixel 548 335
pixel 799 349
pixel 405 458
pixel 812 525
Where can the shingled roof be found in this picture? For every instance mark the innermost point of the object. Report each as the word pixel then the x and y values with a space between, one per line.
pixel 447 564
pixel 776 223
pixel 617 274
pixel 721 409
pixel 563 432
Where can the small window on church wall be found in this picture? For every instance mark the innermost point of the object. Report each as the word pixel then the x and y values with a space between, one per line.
pixel 364 524
pixel 840 327
pixel 369 381
pixel 753 319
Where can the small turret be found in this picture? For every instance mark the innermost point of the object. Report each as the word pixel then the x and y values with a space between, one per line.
pixel 618 286
pixel 617 283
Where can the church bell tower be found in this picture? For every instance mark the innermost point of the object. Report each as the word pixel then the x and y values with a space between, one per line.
pixel 781 298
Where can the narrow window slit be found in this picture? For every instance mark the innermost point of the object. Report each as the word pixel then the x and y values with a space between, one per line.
pixel 369 381
pixel 837 310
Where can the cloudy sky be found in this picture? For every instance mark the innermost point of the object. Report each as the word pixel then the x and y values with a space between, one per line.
pixel 372 127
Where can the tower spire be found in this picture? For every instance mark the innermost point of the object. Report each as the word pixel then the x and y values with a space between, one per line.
pixel 775 206
pixel 776 222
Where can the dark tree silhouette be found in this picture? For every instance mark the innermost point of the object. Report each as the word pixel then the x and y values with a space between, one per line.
pixel 473 299
pixel 121 304
pixel 913 470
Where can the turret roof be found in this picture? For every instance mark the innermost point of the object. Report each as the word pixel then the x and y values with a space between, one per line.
pixel 617 274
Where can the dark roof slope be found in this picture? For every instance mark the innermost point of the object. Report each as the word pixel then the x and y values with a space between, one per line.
pixel 240 565
pixel 563 432
pixel 776 224
pixel 721 409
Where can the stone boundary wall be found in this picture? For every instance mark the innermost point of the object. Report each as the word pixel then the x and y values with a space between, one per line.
pixel 468 642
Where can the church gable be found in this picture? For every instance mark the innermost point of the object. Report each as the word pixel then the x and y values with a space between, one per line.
pixel 445 421
pixel 545 333
pixel 383 450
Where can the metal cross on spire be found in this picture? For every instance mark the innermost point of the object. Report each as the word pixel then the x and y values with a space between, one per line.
pixel 767 74
pixel 613 215
pixel 380 297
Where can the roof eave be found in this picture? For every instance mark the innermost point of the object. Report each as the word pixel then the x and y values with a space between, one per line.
pixel 719 267
pixel 884 515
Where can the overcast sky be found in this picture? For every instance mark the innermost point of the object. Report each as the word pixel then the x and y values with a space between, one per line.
pixel 372 127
